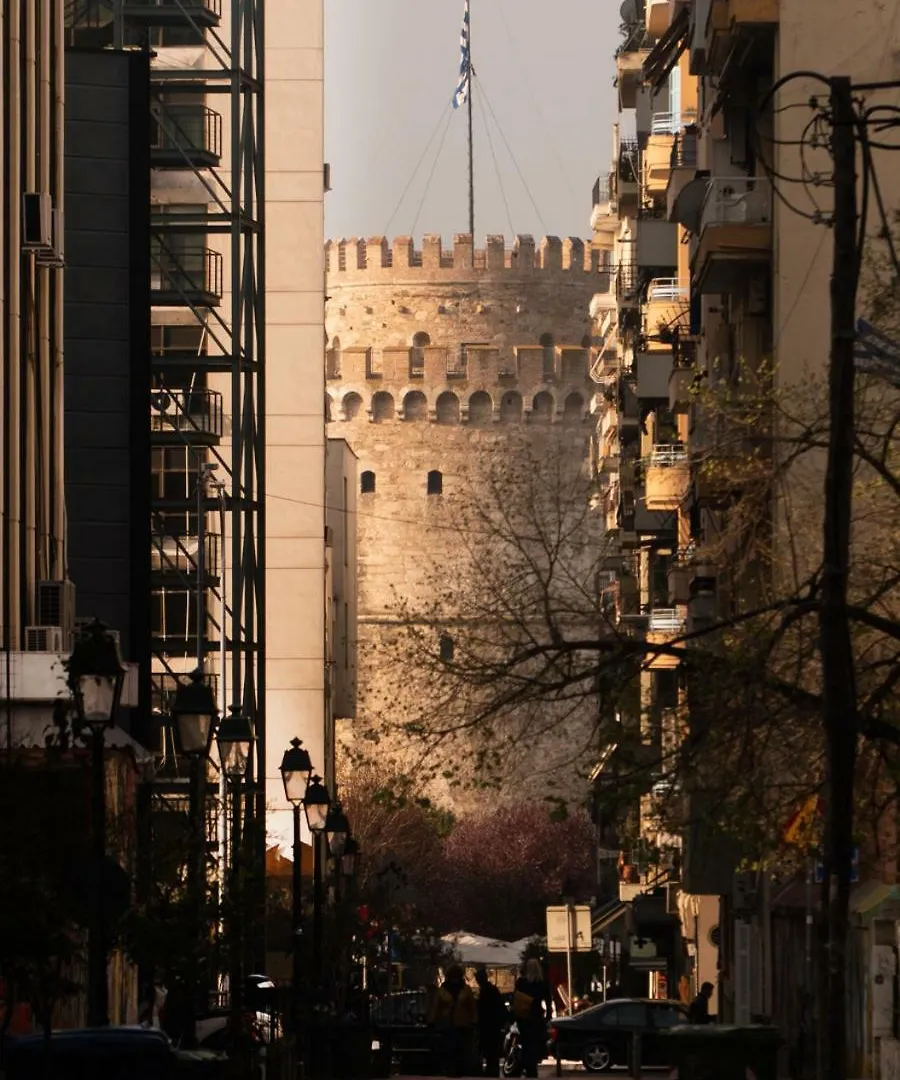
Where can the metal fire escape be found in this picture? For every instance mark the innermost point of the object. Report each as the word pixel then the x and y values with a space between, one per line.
pixel 207 292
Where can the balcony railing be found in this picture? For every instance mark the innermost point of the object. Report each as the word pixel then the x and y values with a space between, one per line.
pixel 684 151
pixel 186 413
pixel 190 275
pixel 665 454
pixel 627 281
pixel 185 135
pixel 203 12
pixel 164 686
pixel 177 555
pixel 634 37
pixel 600 192
pixel 737 200
pixel 665 620
pixel 667 289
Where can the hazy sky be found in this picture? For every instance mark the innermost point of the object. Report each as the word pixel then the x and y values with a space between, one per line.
pixel 544 67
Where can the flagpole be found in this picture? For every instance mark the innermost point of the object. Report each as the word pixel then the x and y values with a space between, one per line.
pixel 471 155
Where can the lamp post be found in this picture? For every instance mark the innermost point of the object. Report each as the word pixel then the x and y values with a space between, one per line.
pixel 296 768
pixel 235 742
pixel 316 804
pixel 94 676
pixel 194 711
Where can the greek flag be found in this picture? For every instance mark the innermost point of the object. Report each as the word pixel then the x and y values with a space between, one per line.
pixel 462 87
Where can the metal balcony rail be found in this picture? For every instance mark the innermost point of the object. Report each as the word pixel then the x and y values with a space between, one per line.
pixel 190 129
pixel 663 289
pixel 684 150
pixel 634 37
pixel 627 280
pixel 186 272
pixel 667 454
pixel 664 123
pixel 665 619
pixel 187 8
pixel 186 411
pixel 179 554
pixel 600 192
pixel 737 200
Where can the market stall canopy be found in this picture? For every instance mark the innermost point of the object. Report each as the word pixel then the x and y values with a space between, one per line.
pixel 473 949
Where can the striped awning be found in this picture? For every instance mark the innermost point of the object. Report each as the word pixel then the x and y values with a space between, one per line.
pixel 665 53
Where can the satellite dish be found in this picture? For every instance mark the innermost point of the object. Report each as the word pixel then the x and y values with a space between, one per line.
pixel 629 11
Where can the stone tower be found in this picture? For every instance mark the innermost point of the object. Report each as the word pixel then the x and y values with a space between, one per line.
pixel 439 363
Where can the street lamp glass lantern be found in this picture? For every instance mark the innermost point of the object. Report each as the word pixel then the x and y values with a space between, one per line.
pixel 350 858
pixel 316 803
pixel 95 675
pixel 296 768
pixel 194 710
pixel 235 741
pixel 337 830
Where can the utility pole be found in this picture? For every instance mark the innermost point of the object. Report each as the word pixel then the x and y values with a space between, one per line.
pixel 838 684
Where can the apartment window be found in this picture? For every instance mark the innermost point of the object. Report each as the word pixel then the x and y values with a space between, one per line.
pixel 665 688
pixel 367 483
pixel 435 482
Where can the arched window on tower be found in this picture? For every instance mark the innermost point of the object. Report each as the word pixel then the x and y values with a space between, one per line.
pixel 420 343
pixel 548 357
pixel 333 360
pixel 435 482
pixel 447 648
pixel 447 408
pixel 382 407
pixel 367 482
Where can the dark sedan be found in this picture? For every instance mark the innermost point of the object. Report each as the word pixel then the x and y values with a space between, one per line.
pixel 601 1037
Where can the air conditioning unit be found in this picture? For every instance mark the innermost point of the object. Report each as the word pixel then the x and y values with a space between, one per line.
pixel 49 639
pixel 55 256
pixel 37 221
pixel 56 605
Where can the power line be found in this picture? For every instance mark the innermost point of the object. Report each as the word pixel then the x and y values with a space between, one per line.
pixel 487 129
pixel 423 155
pixel 431 173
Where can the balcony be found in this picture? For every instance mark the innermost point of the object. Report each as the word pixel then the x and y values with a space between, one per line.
pixel 164 686
pixel 189 277
pixel 203 13
pixel 185 137
pixel 666 477
pixel 173 559
pixel 630 57
pixel 681 380
pixel 666 310
pixel 735 230
pixel 178 417
pixel 628 284
pixel 682 166
pixel 603 216
pixel 665 621
pixel 656 248
pixel 627 174
pixel 730 20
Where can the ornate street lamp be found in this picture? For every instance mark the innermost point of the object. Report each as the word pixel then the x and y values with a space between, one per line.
pixel 94 674
pixel 194 712
pixel 337 829
pixel 235 742
pixel 350 858
pixel 316 804
pixel 296 768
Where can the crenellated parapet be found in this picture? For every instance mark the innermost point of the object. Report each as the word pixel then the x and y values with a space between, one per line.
pixel 378 258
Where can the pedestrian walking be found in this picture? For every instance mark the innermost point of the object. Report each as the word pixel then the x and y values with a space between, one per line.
pixel 532 1008
pixel 492 1018
pixel 698 1010
pixel 454 1013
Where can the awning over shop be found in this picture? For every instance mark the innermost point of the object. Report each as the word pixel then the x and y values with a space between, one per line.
pixel 664 54
pixel 607 915
pixel 870 895
pixel 473 950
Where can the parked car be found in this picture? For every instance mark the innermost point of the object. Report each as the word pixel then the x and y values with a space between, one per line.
pixel 113 1053
pixel 402 1040
pixel 601 1037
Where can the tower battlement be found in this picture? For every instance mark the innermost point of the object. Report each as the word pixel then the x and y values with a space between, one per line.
pixel 362 257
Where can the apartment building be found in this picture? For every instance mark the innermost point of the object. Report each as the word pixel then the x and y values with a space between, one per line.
pixel 720 283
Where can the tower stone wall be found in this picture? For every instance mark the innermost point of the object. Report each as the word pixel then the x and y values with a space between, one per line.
pixel 440 366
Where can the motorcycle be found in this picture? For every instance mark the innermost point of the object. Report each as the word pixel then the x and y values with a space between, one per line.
pixel 511 1062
